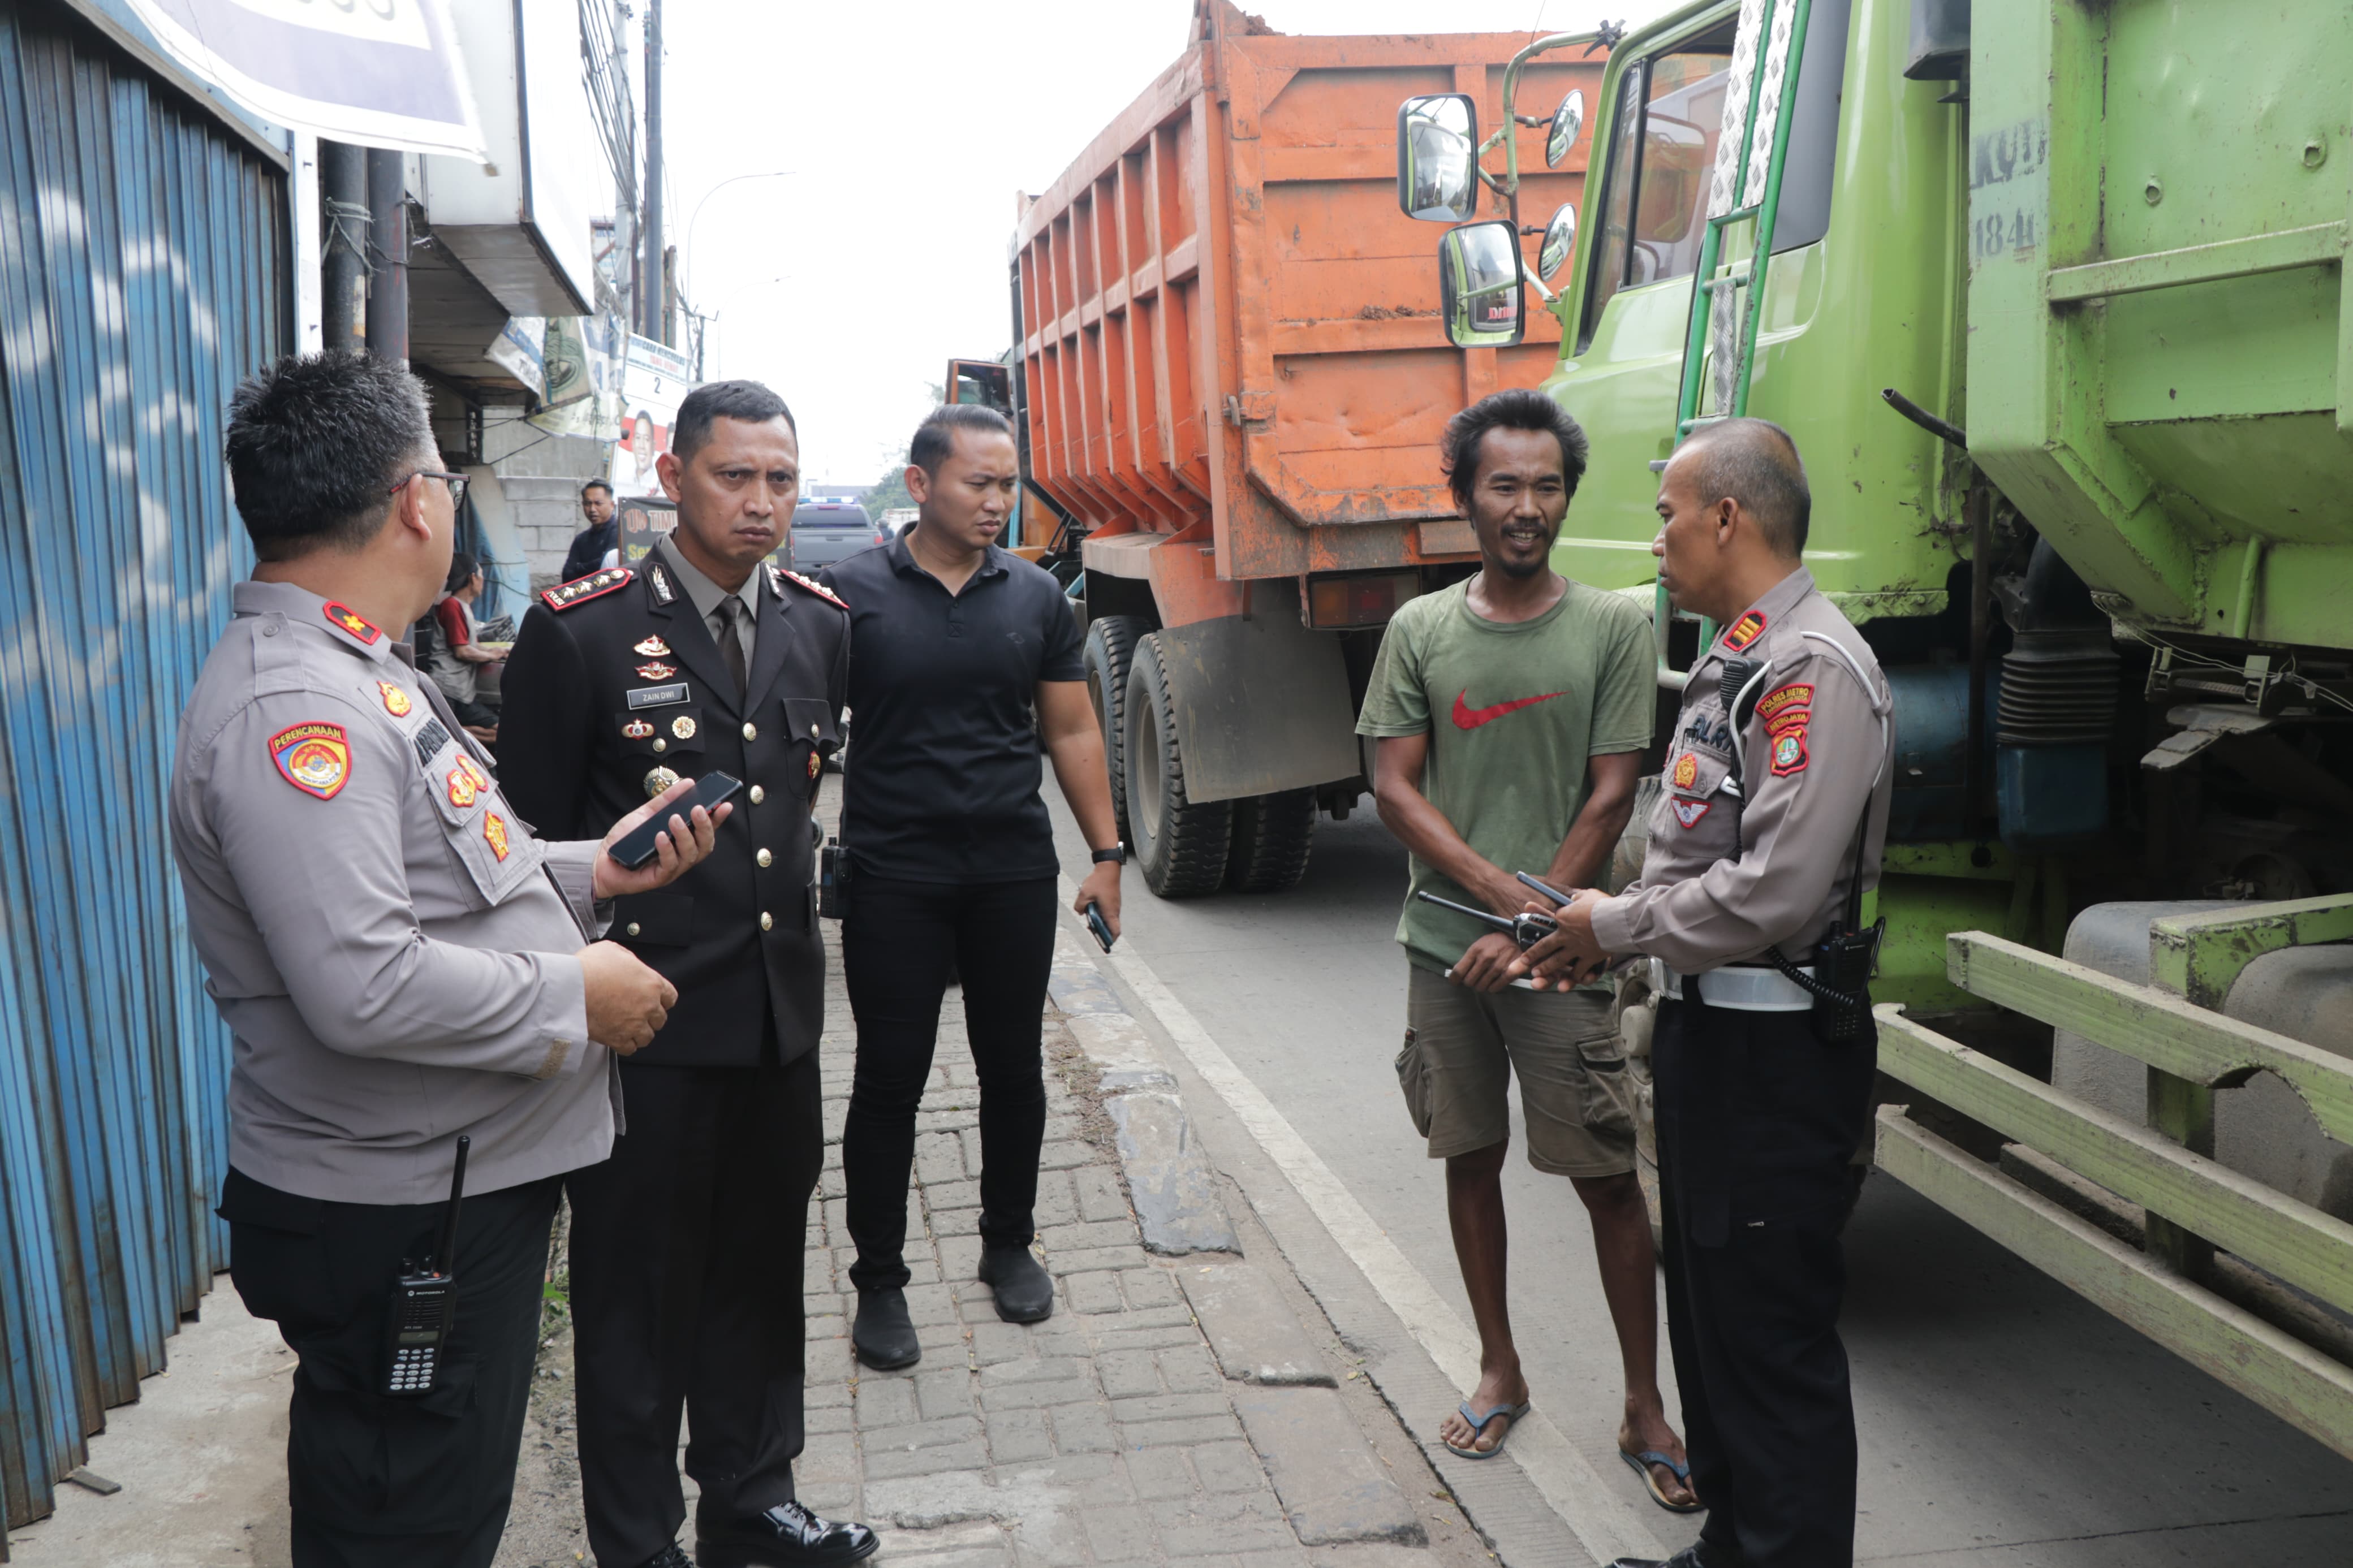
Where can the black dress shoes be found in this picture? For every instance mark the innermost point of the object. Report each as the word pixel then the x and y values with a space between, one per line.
pixel 670 1556
pixel 1695 1555
pixel 883 1336
pixel 1024 1291
pixel 788 1536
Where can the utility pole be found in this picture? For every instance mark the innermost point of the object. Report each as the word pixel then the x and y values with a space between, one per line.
pixel 343 262
pixel 653 276
pixel 387 297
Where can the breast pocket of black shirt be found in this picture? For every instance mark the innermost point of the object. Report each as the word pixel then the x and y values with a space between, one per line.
pixel 671 737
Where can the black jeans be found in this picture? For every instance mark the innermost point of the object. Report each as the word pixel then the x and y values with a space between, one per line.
pixel 686 1294
pixel 377 1481
pixel 898 940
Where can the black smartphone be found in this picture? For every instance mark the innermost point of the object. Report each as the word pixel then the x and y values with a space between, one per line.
pixel 638 846
pixel 1100 926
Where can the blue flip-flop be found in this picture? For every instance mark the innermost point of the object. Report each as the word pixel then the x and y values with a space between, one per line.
pixel 1479 1424
pixel 1643 1462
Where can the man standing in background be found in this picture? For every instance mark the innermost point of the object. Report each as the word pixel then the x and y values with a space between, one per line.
pixel 600 538
pixel 1511 711
pixel 686 1246
pixel 967 675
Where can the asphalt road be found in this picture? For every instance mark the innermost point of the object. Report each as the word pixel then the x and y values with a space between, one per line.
pixel 2003 1420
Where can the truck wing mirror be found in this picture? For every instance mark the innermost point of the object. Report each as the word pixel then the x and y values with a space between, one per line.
pixel 1480 293
pixel 1438 157
pixel 1559 242
pixel 1567 121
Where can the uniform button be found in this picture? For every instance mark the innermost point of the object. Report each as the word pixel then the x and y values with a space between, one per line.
pixel 763 857
pixel 661 745
pixel 633 928
pixel 758 794
pixel 767 921
pixel 751 731
pixel 812 731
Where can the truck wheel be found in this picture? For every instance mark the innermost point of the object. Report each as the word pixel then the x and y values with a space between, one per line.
pixel 1272 837
pixel 1179 846
pixel 1111 645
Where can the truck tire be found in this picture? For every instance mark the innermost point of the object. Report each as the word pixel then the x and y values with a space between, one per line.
pixel 1110 647
pixel 1179 846
pixel 1273 834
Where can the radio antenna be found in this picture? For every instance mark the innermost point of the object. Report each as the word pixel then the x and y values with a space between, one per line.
pixel 448 1260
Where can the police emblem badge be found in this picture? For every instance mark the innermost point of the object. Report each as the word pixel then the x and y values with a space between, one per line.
pixel 683 727
pixel 315 758
pixel 462 793
pixel 652 647
pixel 1790 753
pixel 637 729
pixel 655 671
pixel 494 829
pixel 474 772
pixel 1689 812
pixel 1685 773
pixel 814 764
pixel 657 781
pixel 395 700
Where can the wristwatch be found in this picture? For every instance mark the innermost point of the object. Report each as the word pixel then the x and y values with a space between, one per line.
pixel 1116 855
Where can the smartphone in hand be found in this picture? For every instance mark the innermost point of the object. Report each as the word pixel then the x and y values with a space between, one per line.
pixel 1100 926
pixel 638 846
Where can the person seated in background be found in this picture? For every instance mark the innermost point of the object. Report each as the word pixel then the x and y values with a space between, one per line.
pixel 456 656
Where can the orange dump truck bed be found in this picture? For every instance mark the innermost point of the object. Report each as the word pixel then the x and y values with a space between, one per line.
pixel 1230 329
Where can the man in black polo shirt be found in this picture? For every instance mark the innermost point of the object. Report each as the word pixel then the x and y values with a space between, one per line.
pixel 956 642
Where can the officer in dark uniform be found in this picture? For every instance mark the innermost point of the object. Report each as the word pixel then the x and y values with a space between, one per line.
pixel 1766 833
pixel 686 1245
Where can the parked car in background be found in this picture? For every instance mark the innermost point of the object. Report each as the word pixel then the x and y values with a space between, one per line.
pixel 825 532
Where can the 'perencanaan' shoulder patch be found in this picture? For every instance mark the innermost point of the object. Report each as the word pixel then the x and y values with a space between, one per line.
pixel 314 757
pixel 595 585
pixel 1744 630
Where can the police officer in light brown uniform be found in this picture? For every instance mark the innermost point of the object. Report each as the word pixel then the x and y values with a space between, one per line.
pixel 400 962
pixel 1768 830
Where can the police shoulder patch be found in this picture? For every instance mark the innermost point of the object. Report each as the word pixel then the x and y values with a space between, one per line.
pixel 314 757
pixel 351 621
pixel 812 586
pixel 1689 812
pixel 1784 700
pixel 595 585
pixel 1790 751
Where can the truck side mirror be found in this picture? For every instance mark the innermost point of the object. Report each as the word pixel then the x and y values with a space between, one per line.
pixel 1559 242
pixel 1438 157
pixel 1566 121
pixel 1480 293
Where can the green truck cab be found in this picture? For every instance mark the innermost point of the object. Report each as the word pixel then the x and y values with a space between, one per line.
pixel 2055 303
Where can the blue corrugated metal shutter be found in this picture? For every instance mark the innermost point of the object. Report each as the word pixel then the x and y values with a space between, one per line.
pixel 143 271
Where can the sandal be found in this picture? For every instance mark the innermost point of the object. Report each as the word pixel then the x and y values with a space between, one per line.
pixel 1511 1413
pixel 1642 1463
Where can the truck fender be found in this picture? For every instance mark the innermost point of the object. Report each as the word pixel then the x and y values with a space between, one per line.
pixel 1262 702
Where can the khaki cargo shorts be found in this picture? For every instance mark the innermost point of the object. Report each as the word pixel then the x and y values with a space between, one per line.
pixel 1463 1048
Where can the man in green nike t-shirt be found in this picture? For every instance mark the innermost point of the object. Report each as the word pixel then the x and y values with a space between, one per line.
pixel 1511 711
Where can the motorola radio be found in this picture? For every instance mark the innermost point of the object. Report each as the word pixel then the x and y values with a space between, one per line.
pixel 425 1303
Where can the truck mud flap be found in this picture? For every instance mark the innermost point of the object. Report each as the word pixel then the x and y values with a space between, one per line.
pixel 1262 702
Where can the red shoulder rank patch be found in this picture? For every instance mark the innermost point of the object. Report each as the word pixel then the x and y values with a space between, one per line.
pixel 350 620
pixel 1689 812
pixel 1782 699
pixel 1744 630
pixel 595 585
pixel 820 589
pixel 1790 751
pixel 315 758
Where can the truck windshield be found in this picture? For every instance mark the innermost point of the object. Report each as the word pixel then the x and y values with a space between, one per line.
pixel 1662 158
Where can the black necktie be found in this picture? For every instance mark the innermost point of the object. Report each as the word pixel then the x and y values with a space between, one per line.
pixel 730 641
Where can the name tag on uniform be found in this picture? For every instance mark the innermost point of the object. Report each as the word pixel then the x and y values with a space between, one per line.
pixel 656 696
pixel 429 741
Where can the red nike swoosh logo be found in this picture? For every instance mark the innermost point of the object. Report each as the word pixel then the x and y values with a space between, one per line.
pixel 1468 718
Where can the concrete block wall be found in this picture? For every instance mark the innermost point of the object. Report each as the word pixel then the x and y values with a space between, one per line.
pixel 542 475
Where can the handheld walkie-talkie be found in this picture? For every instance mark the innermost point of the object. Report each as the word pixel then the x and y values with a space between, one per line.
pixel 425 1303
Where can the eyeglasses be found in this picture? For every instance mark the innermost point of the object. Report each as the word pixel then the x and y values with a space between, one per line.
pixel 457 483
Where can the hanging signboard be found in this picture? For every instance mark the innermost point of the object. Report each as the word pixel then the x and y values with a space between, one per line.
pixel 386 74
pixel 654 384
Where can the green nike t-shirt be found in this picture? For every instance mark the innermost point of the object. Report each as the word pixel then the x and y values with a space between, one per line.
pixel 1513 712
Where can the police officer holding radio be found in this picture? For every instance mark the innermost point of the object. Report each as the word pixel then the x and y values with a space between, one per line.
pixel 410 976
pixel 1766 836
pixel 686 1246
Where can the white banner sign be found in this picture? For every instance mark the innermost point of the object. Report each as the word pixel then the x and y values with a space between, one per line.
pixel 375 73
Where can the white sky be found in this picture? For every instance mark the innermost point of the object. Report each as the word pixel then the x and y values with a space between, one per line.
pixel 910 125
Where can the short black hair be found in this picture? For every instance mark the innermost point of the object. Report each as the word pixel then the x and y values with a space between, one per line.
pixel 462 567
pixel 1756 463
pixel 316 444
pixel 936 436
pixel 746 400
pixel 595 485
pixel 1521 408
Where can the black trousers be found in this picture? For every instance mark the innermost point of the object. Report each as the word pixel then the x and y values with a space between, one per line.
pixel 898 942
pixel 686 1294
pixel 377 1481
pixel 1758 1120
